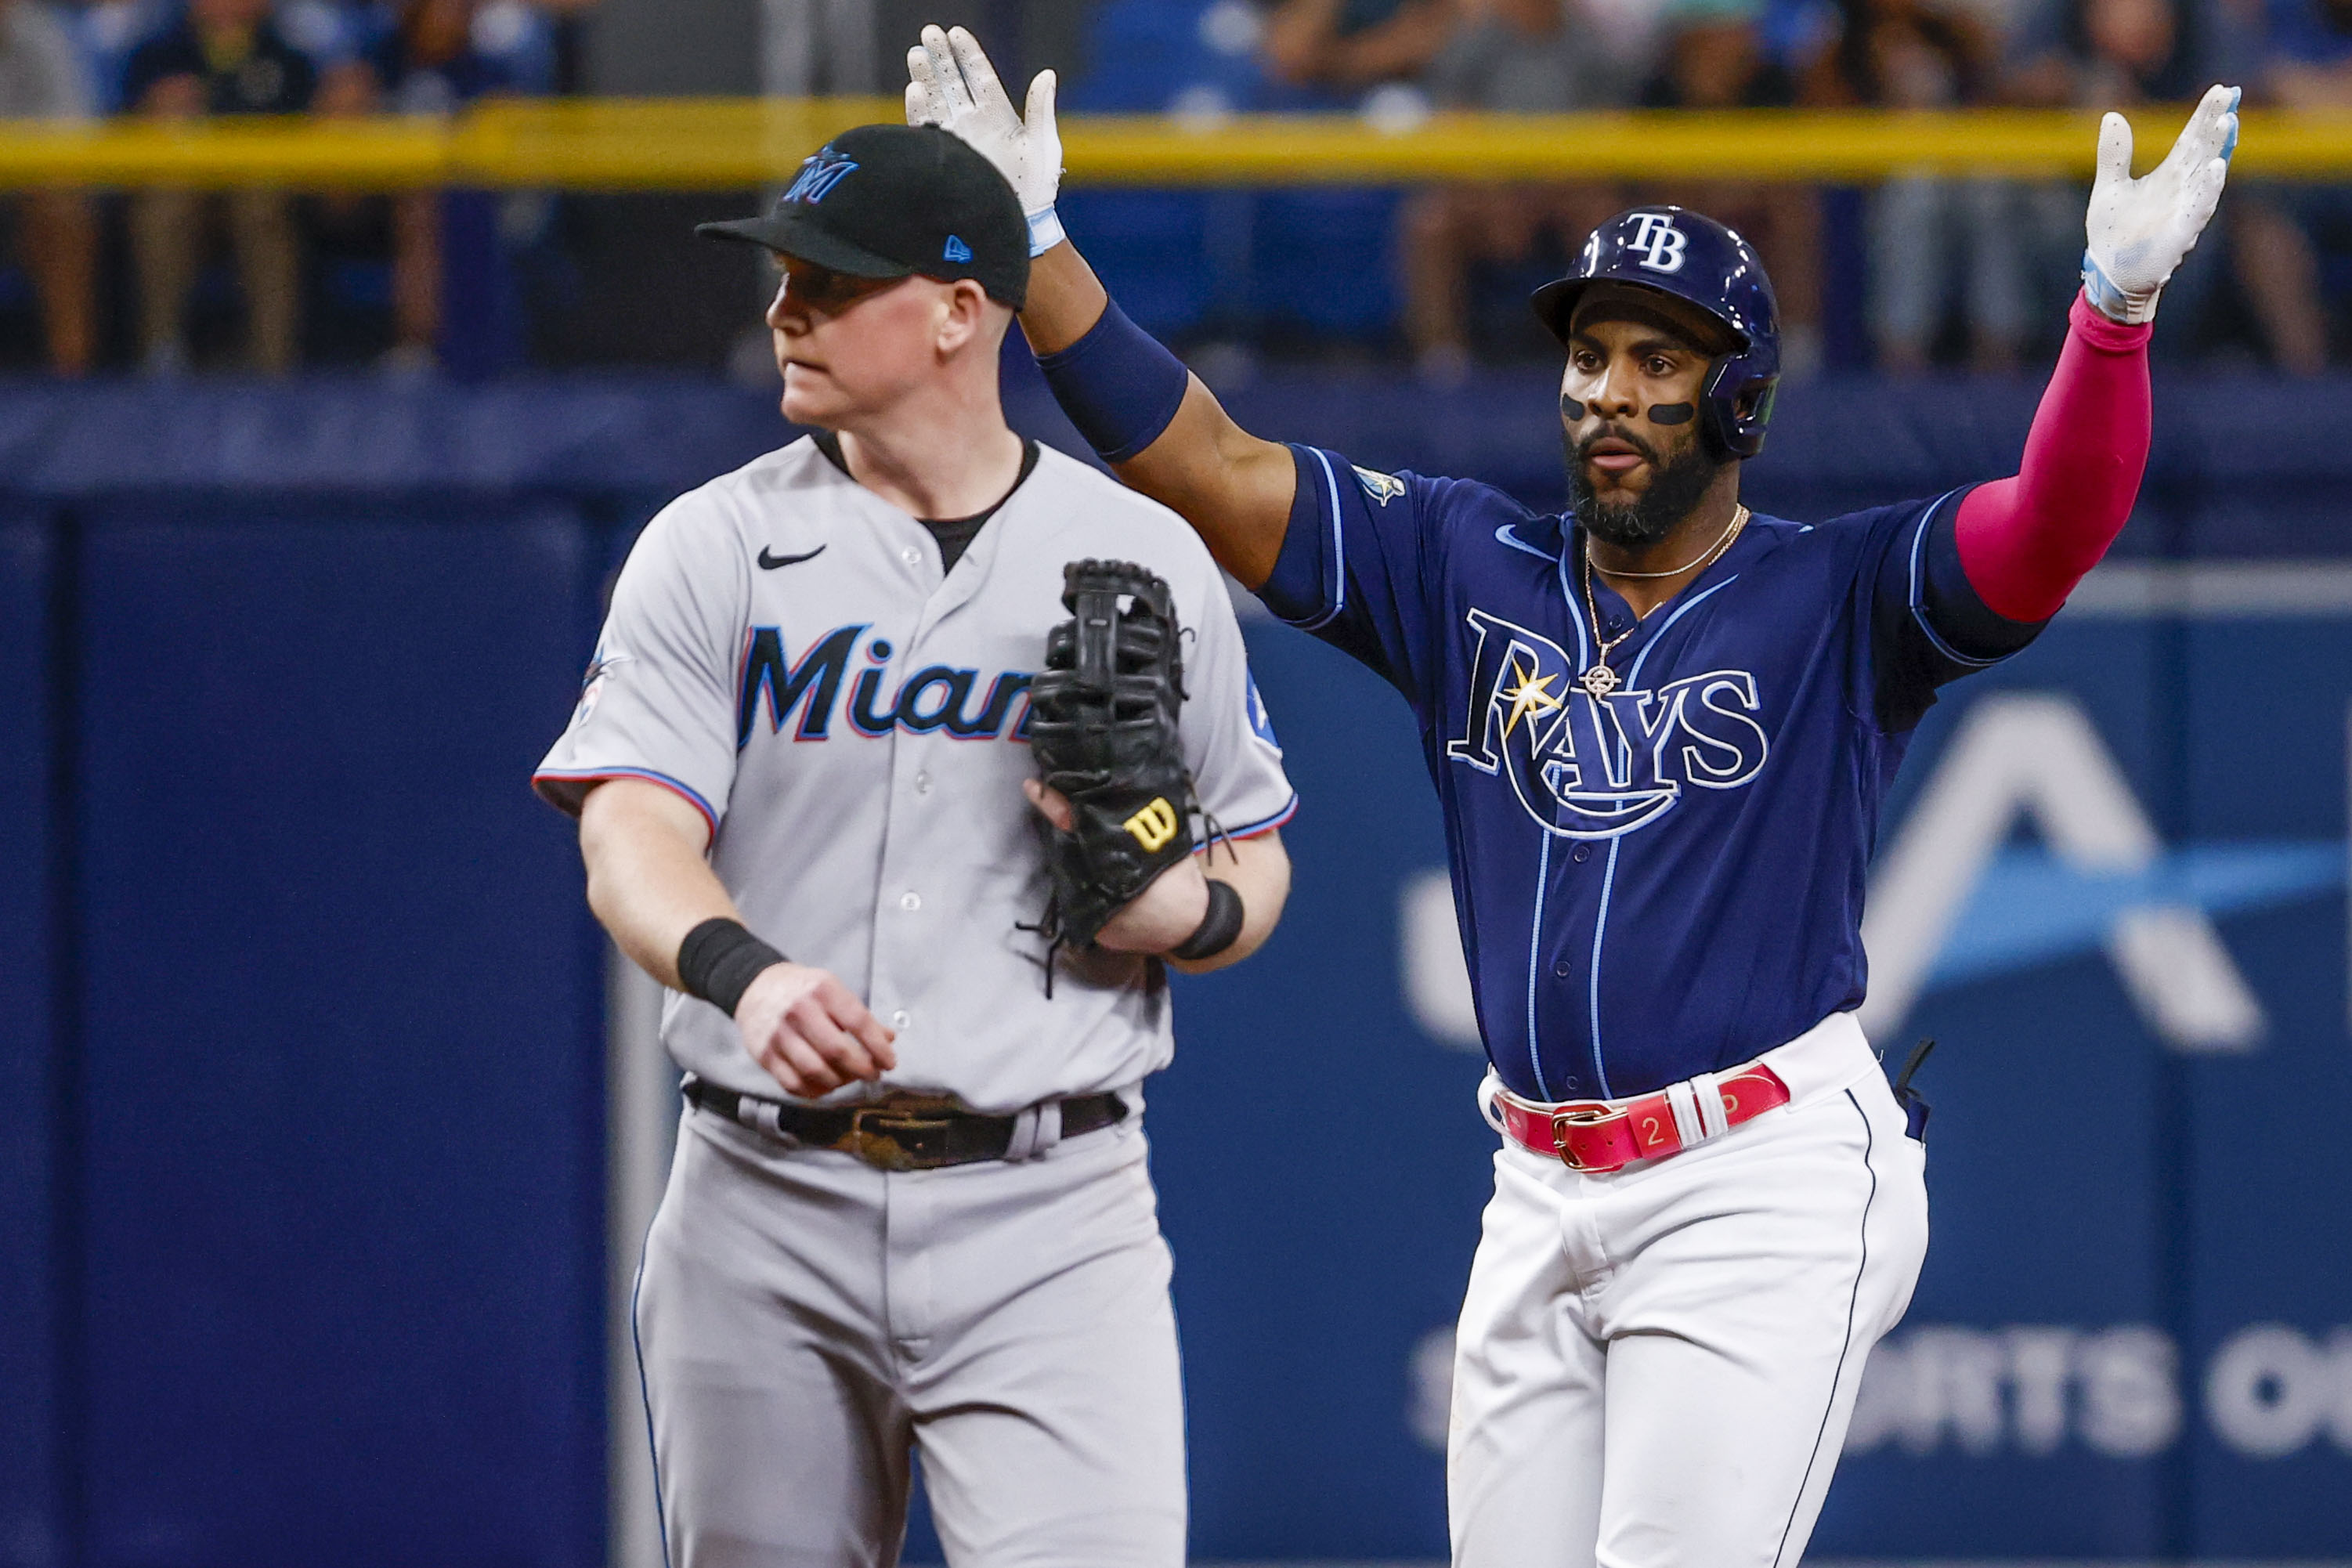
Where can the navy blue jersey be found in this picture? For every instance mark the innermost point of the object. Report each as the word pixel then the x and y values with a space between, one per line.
pixel 1667 879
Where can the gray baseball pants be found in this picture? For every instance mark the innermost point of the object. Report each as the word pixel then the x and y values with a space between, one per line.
pixel 806 1323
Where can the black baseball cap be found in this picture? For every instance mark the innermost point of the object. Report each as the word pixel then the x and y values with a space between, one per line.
pixel 890 201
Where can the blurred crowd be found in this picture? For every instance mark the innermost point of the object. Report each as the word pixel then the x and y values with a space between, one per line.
pixel 185 59
pixel 1918 272
pixel 1960 272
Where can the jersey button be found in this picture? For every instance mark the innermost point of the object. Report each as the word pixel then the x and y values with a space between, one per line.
pixel 911 556
pixel 922 783
pixel 899 1020
pixel 1561 969
pixel 1583 853
pixel 910 903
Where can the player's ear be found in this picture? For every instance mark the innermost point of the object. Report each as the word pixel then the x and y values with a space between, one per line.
pixel 970 316
pixel 974 318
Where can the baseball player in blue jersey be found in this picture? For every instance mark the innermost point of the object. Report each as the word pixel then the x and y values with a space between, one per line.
pixel 1661 727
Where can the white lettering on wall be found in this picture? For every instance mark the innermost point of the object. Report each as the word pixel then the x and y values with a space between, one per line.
pixel 2027 1389
pixel 2020 755
pixel 2273 1390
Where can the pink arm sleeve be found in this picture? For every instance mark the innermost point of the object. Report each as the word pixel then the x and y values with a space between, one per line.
pixel 2025 541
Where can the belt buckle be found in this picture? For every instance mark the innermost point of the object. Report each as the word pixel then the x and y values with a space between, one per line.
pixel 875 1132
pixel 1582 1113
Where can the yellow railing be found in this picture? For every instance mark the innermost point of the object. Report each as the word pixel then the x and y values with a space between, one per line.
pixel 687 143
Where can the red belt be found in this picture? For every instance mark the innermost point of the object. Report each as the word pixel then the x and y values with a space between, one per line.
pixel 1598 1136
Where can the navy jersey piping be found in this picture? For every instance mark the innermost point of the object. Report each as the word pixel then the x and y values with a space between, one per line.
pixel 1919 592
pixel 1576 617
pixel 1535 966
pixel 1543 860
pixel 1599 930
pixel 1338 550
pixel 1609 875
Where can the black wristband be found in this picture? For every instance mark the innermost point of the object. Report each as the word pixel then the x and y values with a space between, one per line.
pixel 1218 930
pixel 718 960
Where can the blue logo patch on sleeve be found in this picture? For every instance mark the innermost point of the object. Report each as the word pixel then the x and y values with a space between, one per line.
pixel 1260 721
pixel 1381 488
pixel 957 249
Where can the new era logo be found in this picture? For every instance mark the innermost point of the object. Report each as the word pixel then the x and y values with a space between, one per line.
pixel 957 249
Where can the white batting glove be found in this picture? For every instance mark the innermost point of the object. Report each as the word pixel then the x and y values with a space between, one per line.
pixel 952 85
pixel 2140 229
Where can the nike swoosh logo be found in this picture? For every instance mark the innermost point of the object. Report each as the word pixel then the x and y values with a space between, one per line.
pixel 770 563
pixel 1505 535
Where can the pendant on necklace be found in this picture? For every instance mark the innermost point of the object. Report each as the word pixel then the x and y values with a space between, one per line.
pixel 1600 680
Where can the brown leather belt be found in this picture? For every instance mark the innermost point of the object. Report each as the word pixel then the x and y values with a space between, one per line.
pixel 896 1135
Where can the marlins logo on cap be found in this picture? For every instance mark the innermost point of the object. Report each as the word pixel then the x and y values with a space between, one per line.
pixel 889 201
pixel 819 174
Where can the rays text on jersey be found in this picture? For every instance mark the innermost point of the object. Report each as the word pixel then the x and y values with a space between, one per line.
pixel 1595 767
pixel 935 698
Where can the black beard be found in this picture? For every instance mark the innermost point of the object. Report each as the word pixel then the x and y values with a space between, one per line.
pixel 1674 489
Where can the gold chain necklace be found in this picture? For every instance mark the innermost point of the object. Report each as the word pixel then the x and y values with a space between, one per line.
pixel 1599 678
pixel 1739 519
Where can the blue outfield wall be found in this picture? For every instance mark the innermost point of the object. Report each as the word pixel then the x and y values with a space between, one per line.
pixel 340 1100
pixel 326 1150
pixel 29 1251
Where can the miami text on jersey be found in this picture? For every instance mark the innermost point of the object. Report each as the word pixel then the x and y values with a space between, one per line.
pixel 1589 767
pixel 937 697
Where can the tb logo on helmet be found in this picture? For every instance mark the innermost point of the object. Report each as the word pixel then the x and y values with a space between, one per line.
pixel 1693 258
pixel 1660 243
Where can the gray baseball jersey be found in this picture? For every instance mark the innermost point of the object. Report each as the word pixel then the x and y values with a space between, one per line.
pixel 785 651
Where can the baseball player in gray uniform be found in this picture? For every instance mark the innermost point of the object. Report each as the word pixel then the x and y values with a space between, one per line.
pixel 909 1211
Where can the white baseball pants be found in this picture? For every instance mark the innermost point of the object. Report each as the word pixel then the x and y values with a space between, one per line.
pixel 1655 1369
pixel 806 1322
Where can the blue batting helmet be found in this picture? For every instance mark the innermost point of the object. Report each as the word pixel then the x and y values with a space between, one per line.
pixel 1677 252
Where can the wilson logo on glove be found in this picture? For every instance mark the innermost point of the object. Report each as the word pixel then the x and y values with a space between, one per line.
pixel 1154 826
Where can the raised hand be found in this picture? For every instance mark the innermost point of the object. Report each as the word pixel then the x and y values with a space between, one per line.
pixel 952 85
pixel 2140 229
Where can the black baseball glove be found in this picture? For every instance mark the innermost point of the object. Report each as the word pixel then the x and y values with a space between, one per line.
pixel 1103 726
